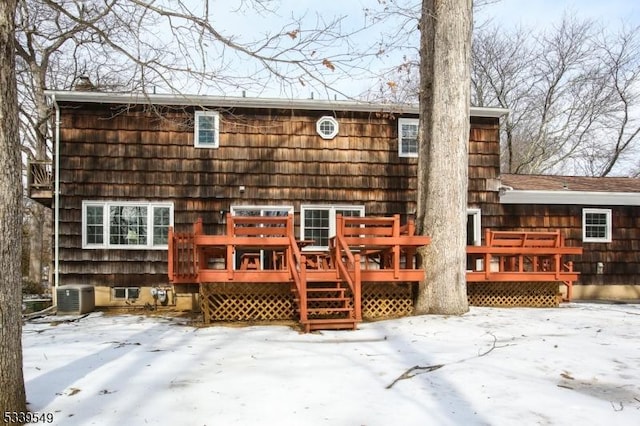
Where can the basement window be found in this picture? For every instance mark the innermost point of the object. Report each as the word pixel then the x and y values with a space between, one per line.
pixel 126 293
pixel 327 127
pixel 206 129
pixel 596 225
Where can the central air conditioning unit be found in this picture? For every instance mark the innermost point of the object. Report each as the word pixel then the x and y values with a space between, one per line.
pixel 75 299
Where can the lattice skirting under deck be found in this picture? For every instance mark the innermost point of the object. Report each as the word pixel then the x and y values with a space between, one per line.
pixel 270 302
pixel 381 300
pixel 246 302
pixel 512 294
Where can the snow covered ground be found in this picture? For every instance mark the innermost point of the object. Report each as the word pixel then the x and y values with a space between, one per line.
pixel 579 364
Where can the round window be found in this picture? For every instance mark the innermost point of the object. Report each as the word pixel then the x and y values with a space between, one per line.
pixel 327 127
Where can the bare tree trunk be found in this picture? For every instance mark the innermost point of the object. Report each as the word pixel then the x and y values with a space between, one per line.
pixel 36 248
pixel 12 394
pixel 39 216
pixel 445 81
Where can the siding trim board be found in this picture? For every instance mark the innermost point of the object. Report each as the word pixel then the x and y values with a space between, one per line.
pixel 515 196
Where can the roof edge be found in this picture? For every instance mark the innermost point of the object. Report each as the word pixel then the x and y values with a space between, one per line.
pixel 234 101
pixel 593 198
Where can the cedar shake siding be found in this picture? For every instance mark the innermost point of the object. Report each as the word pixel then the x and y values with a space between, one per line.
pixel 484 168
pixel 619 258
pixel 109 152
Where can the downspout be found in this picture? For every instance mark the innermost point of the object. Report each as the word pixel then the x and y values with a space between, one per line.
pixel 56 199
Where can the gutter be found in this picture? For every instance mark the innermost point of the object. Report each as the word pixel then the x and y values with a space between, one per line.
pixel 56 200
pixel 234 101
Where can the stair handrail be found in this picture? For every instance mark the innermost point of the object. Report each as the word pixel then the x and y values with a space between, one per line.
pixel 354 282
pixel 297 265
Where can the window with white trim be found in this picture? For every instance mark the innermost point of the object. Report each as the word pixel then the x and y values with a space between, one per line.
pixel 266 257
pixel 408 137
pixel 268 211
pixel 596 225
pixel 206 129
pixel 474 227
pixel 126 293
pixel 318 223
pixel 327 127
pixel 474 237
pixel 126 225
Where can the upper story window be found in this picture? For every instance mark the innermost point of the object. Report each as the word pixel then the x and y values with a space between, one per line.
pixel 206 129
pixel 408 137
pixel 596 225
pixel 318 223
pixel 327 127
pixel 126 225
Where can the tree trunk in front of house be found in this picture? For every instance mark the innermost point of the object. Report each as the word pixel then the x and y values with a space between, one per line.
pixel 12 391
pixel 39 214
pixel 36 230
pixel 445 51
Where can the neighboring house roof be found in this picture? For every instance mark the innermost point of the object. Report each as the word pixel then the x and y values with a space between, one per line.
pixel 230 102
pixel 541 189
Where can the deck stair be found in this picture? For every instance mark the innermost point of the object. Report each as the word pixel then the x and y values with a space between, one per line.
pixel 329 306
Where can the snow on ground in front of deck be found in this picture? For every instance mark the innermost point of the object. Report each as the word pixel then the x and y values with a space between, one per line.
pixel 578 364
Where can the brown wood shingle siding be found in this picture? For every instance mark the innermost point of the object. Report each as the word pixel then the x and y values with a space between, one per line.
pixel 620 258
pixel 133 155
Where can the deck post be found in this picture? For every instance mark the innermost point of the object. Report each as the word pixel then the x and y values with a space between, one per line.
pixel 198 228
pixel 487 256
pixel 411 227
pixel 357 289
pixel 303 287
pixel 170 255
pixel 396 225
pixel 569 284
pixel 339 234
pixel 198 256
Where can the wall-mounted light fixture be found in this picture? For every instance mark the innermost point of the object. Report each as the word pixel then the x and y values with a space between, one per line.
pixel 222 217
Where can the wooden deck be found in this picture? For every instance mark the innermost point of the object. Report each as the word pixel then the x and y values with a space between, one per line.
pixel 523 257
pixel 327 285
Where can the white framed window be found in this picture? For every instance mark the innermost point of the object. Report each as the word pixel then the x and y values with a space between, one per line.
pixel 126 225
pixel 266 256
pixel 474 237
pixel 596 225
pixel 126 293
pixel 408 137
pixel 318 222
pixel 474 227
pixel 327 127
pixel 268 211
pixel 206 129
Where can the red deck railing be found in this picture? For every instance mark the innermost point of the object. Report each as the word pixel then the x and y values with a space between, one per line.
pixel 511 256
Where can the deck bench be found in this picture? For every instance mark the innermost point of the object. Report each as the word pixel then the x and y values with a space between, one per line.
pixel 523 256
